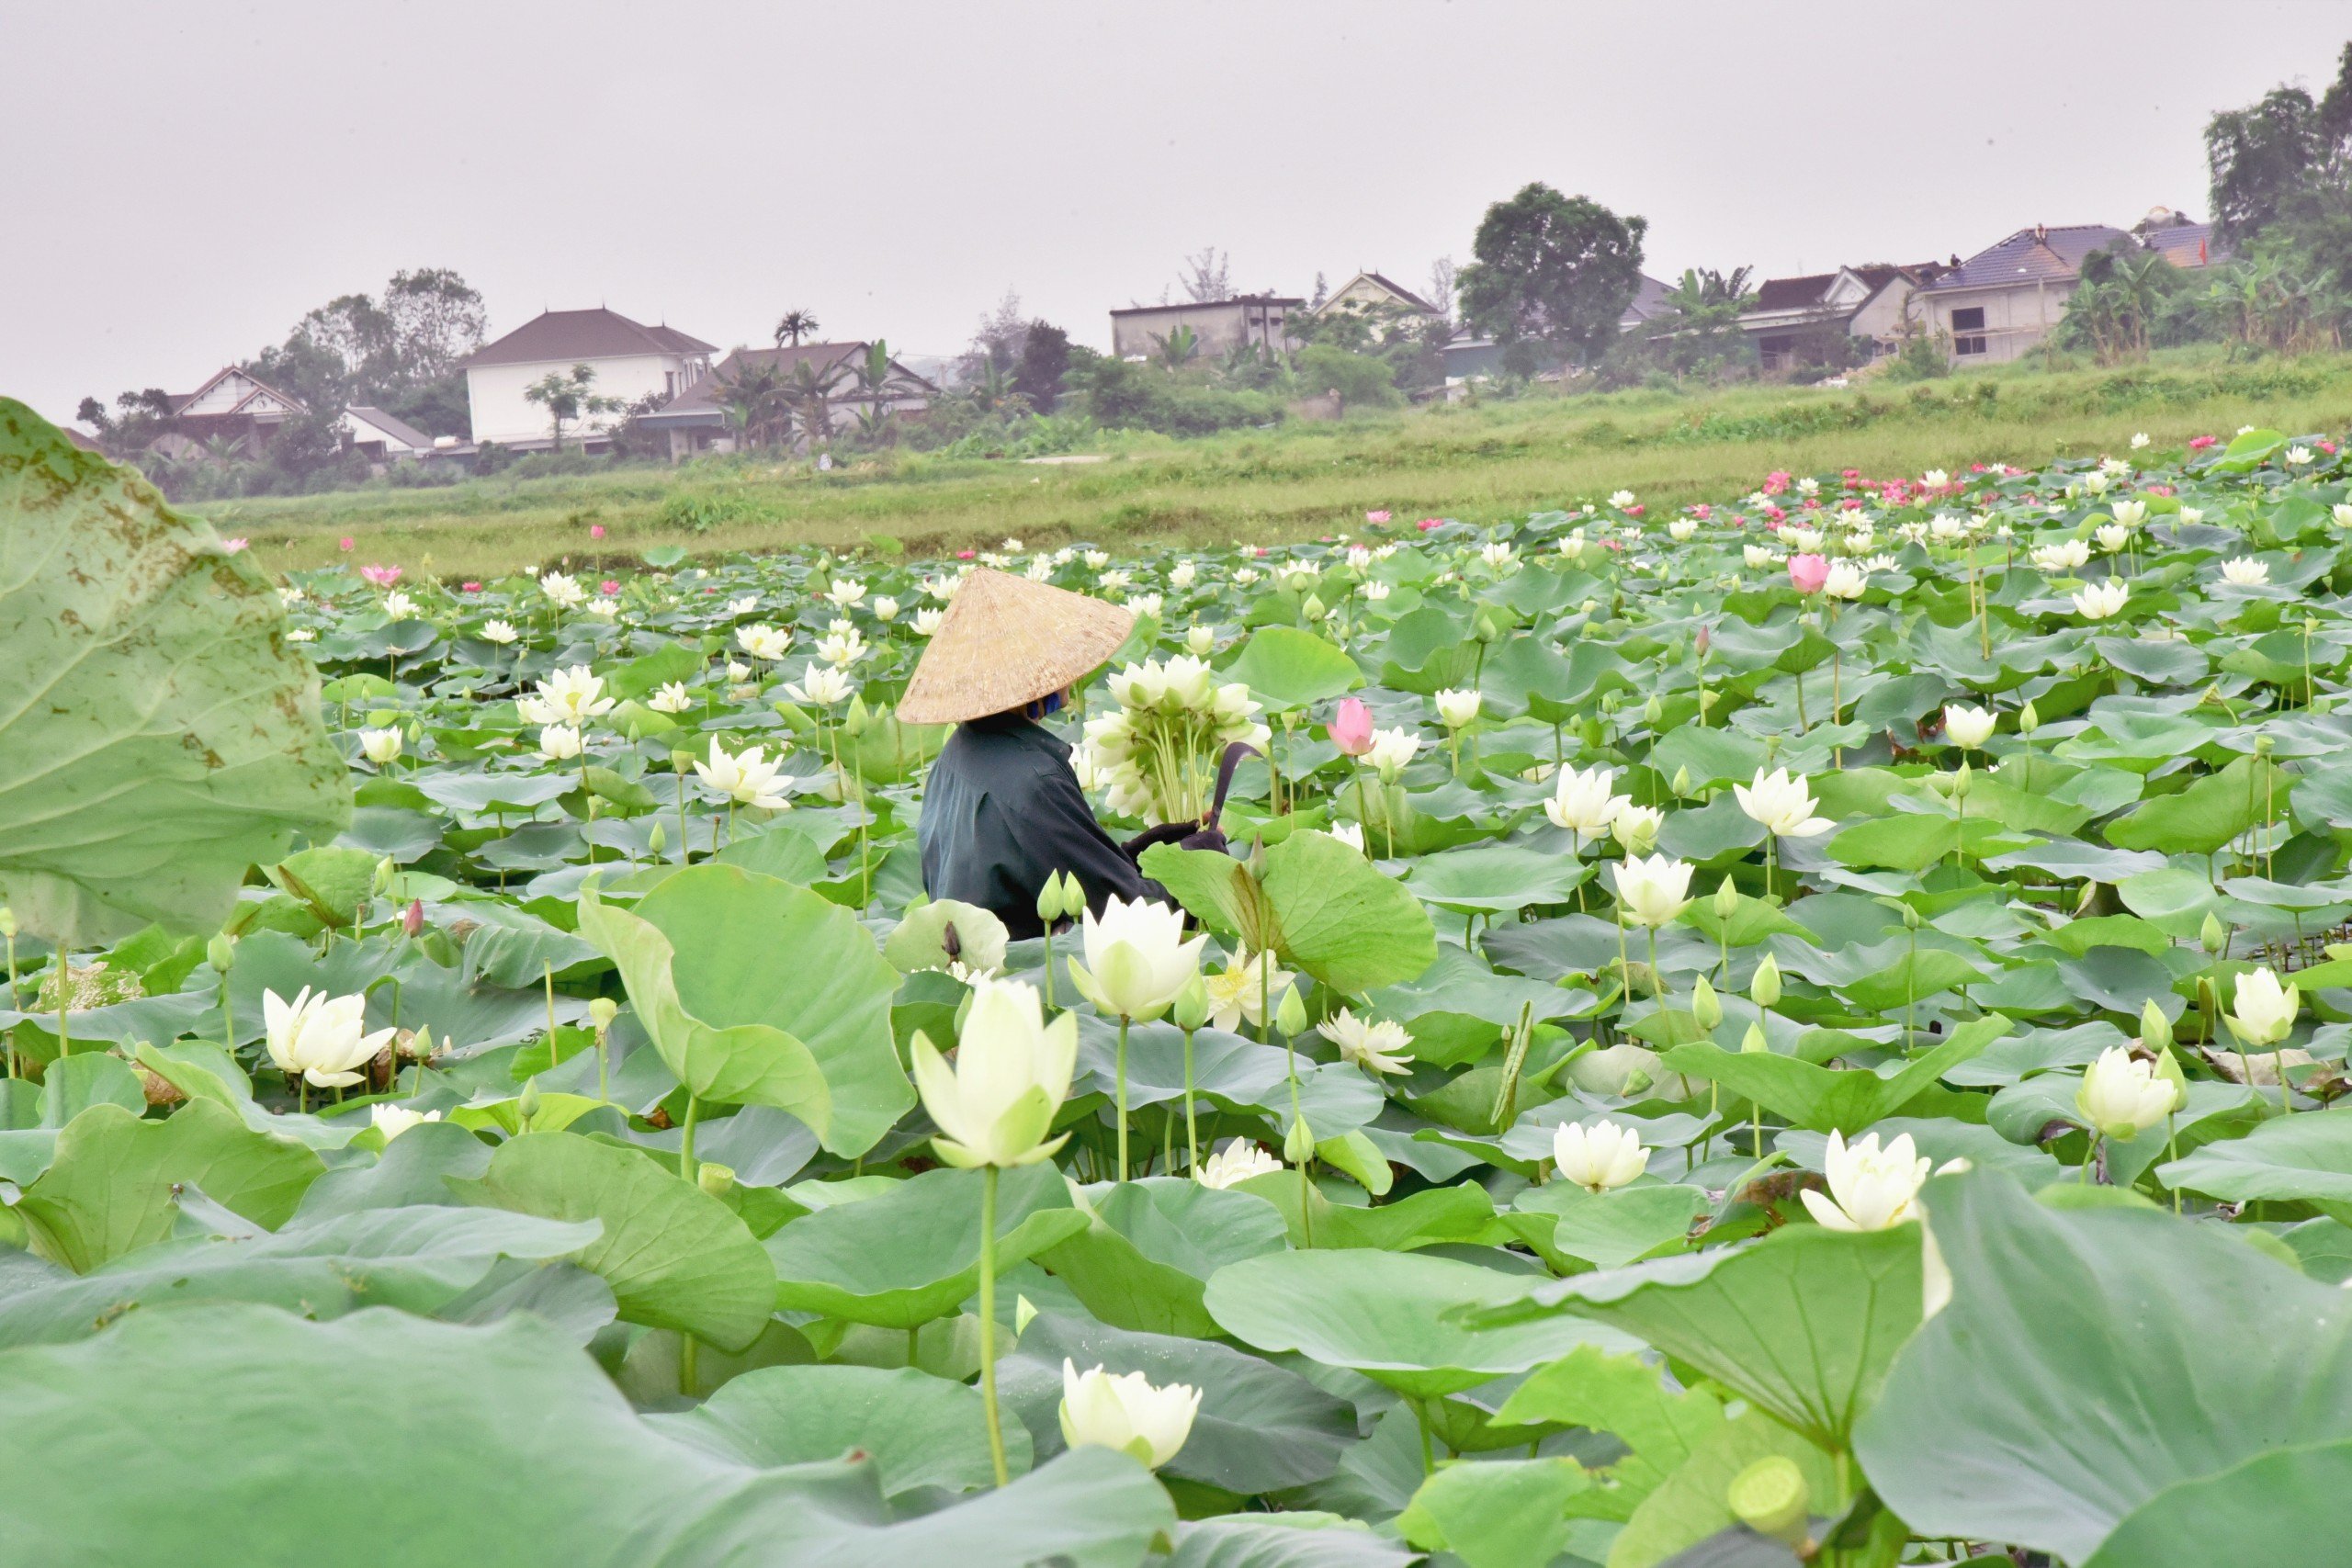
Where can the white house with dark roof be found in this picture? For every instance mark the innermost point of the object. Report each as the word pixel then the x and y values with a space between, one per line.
pixel 381 436
pixel 632 362
pixel 232 405
pixel 2001 302
pixel 1368 293
pixel 697 418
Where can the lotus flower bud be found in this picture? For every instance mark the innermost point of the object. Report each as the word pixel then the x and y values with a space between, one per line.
pixel 656 840
pixel 1487 630
pixel 1910 919
pixel 683 762
pixel 2213 936
pixel 1073 894
pixel 2155 1029
pixel 1960 780
pixel 602 1011
pixel 7 923
pixel 2028 720
pixel 1298 1144
pixel 715 1178
pixel 1290 1013
pixel 1314 607
pixel 385 872
pixel 1637 1082
pixel 1192 1008
pixel 412 918
pixel 2090 896
pixel 1704 643
pixel 1025 1312
pixel 1771 1498
pixel 1727 899
pixel 1682 785
pixel 1653 712
pixel 220 952
pixel 1753 1042
pixel 1705 1005
pixel 526 1104
pixel 1049 899
pixel 1764 991
pixel 858 718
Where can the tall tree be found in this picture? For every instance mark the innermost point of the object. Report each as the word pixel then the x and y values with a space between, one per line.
pixel 1552 270
pixel 1044 359
pixel 1207 276
pixel 567 397
pixel 796 325
pixel 2260 158
pixel 436 318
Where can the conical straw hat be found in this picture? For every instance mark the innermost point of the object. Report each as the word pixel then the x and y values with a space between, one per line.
pixel 1006 641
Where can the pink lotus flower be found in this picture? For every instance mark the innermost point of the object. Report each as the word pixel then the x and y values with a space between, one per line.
pixel 1808 572
pixel 1635 511
pixel 1776 481
pixel 381 575
pixel 609 587
pixel 1776 517
pixel 230 546
pixel 412 918
pixel 1376 518
pixel 1350 728
pixel 470 586
pixel 2160 490
pixel 1702 512
pixel 347 542
pixel 2327 447
pixel 1426 524
pixel 1850 473
pixel 2200 442
pixel 960 555
pixel 595 530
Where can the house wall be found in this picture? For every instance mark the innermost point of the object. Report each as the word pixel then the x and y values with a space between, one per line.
pixel 1219 324
pixel 2017 318
pixel 501 414
pixel 1880 317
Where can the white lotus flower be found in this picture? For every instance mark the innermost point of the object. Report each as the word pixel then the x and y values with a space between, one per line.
pixel 393 1120
pixel 563 589
pixel 746 777
pixel 605 609
pixel 1200 641
pixel 927 622
pixel 2191 515
pixel 1947 525
pixel 1803 540
pixel 1758 557
pixel 398 606
pixel 500 632
pixel 745 605
pixel 2343 514
pixel 1604 1155
pixel 2130 514
pixel 671 698
pixel 2246 571
pixel 763 641
pixel 1620 499
pixel 1348 833
pixel 1782 803
pixel 821 685
pixel 1681 529
pixel 1935 478
pixel 2297 457
pixel 1013 1071
pixel 1583 802
pixel 1145 606
pixel 1635 826
pixel 2122 1096
pixel 1245 988
pixel 1182 574
pixel 571 695
pixel 1969 727
pixel 738 671
pixel 885 608
pixel 320 1037
pixel 1652 890
pixel 1238 1161
pixel 301 634
pixel 1127 1412
pixel 1375 591
pixel 841 649
pixel 2102 600
pixel 1390 750
pixel 2068 555
pixel 1136 958
pixel 382 747
pixel 1846 580
pixel 1871 1188
pixel 1457 707
pixel 1377 1046
pixel 1499 555
pixel 2112 536
pixel 2138 439
pixel 559 742
pixel 2264 1010
pixel 844 591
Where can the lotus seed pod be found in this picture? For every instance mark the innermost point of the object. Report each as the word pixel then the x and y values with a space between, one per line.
pixel 220 952
pixel 602 1011
pixel 1727 899
pixel 1705 1005
pixel 1192 1007
pixel 715 1178
pixel 1771 1498
pixel 1764 991
pixel 1290 1013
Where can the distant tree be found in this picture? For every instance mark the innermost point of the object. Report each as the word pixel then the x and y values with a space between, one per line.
pixel 1441 289
pixel 567 397
pixel 796 325
pixel 1322 292
pixel 142 416
pixel 2260 158
pixel 2113 311
pixel 1044 359
pixel 437 319
pixel 810 391
pixel 1177 348
pixel 998 340
pixel 2281 188
pixel 1207 277
pixel 753 399
pixel 1553 271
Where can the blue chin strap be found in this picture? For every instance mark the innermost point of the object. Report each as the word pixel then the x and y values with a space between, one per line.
pixel 1051 703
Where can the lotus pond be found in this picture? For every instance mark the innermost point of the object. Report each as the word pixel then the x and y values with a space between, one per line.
pixel 1804 1029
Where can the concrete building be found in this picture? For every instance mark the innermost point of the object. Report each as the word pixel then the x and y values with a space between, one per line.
pixel 1218 325
pixel 698 418
pixel 1796 322
pixel 2002 301
pixel 632 362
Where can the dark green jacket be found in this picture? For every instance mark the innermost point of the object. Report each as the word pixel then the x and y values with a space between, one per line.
pixel 1002 812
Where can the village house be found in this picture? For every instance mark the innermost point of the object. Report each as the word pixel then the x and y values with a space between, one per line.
pixel 2180 238
pixel 1218 325
pixel 383 439
pixel 2002 301
pixel 1796 322
pixel 699 418
pixel 1370 294
pixel 633 362
pixel 233 413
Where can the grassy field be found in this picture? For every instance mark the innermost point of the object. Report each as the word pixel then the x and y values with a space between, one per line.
pixel 1478 462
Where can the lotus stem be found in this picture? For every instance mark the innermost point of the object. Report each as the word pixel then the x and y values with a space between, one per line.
pixel 1192 1132
pixel 987 1318
pixel 1122 1097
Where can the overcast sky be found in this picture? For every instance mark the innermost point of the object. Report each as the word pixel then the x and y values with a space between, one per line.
pixel 188 179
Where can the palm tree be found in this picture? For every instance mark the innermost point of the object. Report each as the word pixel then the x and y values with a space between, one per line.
pixel 810 393
pixel 796 325
pixel 752 398
pixel 1178 348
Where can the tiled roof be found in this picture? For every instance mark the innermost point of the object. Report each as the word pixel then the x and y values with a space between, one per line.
pixel 563 336
pixel 2028 256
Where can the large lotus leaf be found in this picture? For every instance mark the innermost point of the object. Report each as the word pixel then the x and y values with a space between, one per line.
pixel 1292 669
pixel 1803 1324
pixel 2207 814
pixel 919 1429
pixel 1688 1507
pixel 2261 1511
pixel 1623 1396
pixel 1260 1427
pixel 1496 878
pixel 675 1256
pixel 114 1183
pixel 607 1488
pixel 159 734
pixel 2094 1363
pixel 747 1064
pixel 1325 908
pixel 1398 1317
pixel 756 949
pixel 1292 1539
pixel 1501 1514
pixel 1826 1099
pixel 2295 1158
pixel 1151 1246
pixel 418 1259
pixel 912 1253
